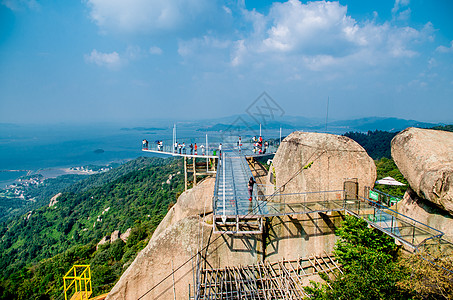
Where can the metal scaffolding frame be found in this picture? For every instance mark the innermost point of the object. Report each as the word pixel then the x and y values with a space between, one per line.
pixel 282 279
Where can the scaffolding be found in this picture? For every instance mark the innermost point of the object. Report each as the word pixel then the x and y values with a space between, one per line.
pixel 283 279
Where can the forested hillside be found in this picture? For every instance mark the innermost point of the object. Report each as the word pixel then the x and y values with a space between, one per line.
pixel 376 143
pixel 37 249
pixel 39 194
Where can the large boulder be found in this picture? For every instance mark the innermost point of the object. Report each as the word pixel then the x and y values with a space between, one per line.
pixel 425 158
pixel 334 159
pixel 426 212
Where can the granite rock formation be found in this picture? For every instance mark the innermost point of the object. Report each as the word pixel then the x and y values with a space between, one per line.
pixel 425 158
pixel 329 161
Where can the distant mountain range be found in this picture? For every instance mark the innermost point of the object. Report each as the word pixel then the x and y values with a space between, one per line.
pixel 245 122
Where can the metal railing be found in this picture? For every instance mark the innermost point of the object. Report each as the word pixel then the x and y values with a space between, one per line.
pixel 407 230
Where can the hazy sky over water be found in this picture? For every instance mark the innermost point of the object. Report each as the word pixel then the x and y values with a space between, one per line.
pixel 118 61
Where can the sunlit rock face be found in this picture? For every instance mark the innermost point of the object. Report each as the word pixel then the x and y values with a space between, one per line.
pixel 425 158
pixel 425 212
pixel 334 159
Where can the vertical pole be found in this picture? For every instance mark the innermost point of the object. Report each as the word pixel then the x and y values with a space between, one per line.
pixel 280 135
pixel 173 275
pixel 194 171
pixel 185 173
pixel 64 287
pixel 223 175
pixel 327 113
pixel 358 212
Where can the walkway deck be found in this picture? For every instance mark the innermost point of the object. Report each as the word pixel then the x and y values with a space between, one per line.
pixel 231 203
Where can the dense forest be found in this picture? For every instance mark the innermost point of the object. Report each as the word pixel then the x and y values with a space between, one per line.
pixel 376 143
pixel 38 248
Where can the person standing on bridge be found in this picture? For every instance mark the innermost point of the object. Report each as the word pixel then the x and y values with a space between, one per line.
pixel 220 149
pixel 250 187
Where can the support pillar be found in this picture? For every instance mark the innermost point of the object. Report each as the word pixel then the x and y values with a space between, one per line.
pixel 185 173
pixel 194 172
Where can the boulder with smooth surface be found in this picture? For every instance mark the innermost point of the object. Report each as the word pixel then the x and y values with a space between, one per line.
pixel 425 158
pixel 329 161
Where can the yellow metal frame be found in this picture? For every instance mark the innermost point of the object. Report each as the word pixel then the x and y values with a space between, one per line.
pixel 78 278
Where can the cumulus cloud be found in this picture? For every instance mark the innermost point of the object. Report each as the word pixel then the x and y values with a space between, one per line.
pixel 320 34
pixel 110 60
pixel 149 15
pixel 443 49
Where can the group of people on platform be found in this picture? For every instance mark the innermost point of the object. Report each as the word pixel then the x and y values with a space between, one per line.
pixel 258 146
pixel 193 148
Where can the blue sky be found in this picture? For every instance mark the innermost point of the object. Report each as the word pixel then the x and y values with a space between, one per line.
pixel 138 60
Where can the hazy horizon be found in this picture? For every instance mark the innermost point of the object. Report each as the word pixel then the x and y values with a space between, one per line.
pixel 169 121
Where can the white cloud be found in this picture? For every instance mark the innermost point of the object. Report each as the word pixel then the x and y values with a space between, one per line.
pixel 155 50
pixel 314 25
pixel 404 15
pixel 21 4
pixel 321 34
pixel 444 49
pixel 116 60
pixel 399 4
pixel 149 15
pixel 110 60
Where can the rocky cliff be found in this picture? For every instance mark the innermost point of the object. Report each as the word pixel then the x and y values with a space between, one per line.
pixel 425 212
pixel 173 247
pixel 425 158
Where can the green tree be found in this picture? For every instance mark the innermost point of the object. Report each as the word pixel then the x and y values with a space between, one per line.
pixel 368 266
